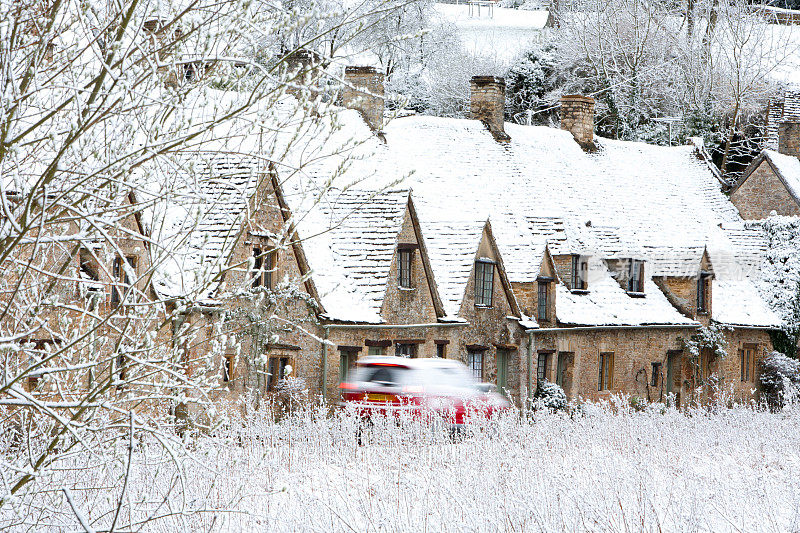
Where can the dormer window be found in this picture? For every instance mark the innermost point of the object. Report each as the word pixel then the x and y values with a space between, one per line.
pixel 636 276
pixel 580 273
pixel 121 279
pixel 263 267
pixel 405 262
pixel 543 300
pixel 704 292
pixel 484 282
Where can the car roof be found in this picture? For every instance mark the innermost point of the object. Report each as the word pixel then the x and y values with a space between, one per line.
pixel 408 362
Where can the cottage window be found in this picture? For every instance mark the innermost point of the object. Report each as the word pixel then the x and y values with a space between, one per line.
pixel 542 308
pixel 484 283
pixel 475 363
pixel 263 267
pixel 405 349
pixel 636 276
pixel 405 262
pixel 580 270
pixel 703 292
pixel 441 349
pixel 376 350
pixel 605 378
pixel 542 365
pixel 121 279
pixel 227 368
pixel 655 372
pixel 276 371
pixel 122 370
pixel 747 356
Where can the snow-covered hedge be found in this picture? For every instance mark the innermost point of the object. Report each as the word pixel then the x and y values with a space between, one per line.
pixel 549 395
pixel 610 469
pixel 780 379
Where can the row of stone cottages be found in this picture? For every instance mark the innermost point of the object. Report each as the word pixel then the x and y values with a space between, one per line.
pixel 528 253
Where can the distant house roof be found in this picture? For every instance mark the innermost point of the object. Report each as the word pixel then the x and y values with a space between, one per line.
pixel 786 167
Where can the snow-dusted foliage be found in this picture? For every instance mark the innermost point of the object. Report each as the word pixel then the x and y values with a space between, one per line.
pixel 780 379
pixel 608 469
pixel 125 129
pixel 780 275
pixel 550 396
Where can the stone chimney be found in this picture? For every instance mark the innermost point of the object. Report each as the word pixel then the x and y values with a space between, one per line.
pixel 363 92
pixel 789 136
pixel 487 103
pixel 577 117
pixel 302 69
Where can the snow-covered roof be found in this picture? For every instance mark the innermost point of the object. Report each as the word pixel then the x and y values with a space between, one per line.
pixel 787 167
pixel 540 189
pixel 627 200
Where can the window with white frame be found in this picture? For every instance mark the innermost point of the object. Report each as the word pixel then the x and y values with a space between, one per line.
pixel 484 283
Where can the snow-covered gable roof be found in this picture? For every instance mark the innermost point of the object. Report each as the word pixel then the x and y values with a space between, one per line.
pixel 451 249
pixel 627 200
pixel 349 241
pixel 786 167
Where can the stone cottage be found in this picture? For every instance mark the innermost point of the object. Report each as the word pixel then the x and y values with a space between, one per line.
pixel 528 253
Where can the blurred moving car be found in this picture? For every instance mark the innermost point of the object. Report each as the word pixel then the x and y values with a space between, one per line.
pixel 432 388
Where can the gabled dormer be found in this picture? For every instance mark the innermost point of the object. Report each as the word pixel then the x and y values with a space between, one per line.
pixel 686 281
pixel 488 287
pixel 537 296
pixel 573 270
pixel 410 296
pixel 630 273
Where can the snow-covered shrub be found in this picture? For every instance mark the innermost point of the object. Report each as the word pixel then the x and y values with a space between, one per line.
pixel 780 379
pixel 549 395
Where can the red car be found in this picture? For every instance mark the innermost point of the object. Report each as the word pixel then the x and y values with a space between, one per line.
pixel 420 388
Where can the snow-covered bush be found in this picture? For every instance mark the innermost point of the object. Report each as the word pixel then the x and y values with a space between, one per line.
pixel 780 379
pixel 550 396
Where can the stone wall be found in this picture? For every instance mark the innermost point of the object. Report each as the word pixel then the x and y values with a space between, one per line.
pixel 763 192
pixel 789 137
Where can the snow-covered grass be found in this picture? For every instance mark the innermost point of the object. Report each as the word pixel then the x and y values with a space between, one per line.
pixel 606 469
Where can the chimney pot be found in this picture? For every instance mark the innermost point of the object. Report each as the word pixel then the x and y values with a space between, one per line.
pixel 363 92
pixel 577 117
pixel 487 103
pixel 789 136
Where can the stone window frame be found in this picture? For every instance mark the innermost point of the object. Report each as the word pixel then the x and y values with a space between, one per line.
pixel 655 372
pixel 605 371
pixel 561 365
pixel 441 348
pixel 747 362
pixel 580 273
pixel 703 292
pixel 121 282
pixel 543 366
pixel 476 359
pixel 543 289
pixel 405 266
pixel 409 347
pixel 635 283
pixel 228 367
pixel 265 265
pixel 484 285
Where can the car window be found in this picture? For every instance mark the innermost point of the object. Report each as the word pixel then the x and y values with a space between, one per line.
pixel 383 375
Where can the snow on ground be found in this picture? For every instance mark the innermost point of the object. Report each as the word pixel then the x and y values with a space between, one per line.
pixel 660 470
pixel 503 36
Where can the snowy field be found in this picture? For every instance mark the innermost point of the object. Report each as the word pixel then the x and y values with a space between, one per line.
pixel 734 470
